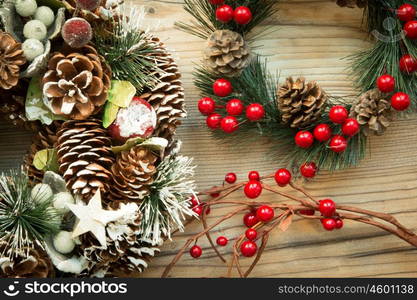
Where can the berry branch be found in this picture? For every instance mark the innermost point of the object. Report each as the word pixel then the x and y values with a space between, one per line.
pixel 263 218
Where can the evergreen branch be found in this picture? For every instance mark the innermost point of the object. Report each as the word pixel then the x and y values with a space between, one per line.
pixel 129 51
pixel 206 23
pixel 167 206
pixel 24 221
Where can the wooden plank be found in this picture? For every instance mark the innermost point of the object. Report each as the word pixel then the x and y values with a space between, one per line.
pixel 307 38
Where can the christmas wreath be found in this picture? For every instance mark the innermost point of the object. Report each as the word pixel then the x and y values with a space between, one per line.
pixel 103 184
pixel 243 101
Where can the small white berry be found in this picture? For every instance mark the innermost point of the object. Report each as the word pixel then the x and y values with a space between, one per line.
pixel 34 29
pixel 41 192
pixel 32 48
pixel 63 242
pixel 61 201
pixel 45 15
pixel 25 8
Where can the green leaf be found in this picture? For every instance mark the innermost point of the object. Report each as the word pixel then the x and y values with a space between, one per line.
pixel 154 143
pixel 121 93
pixel 35 107
pixel 46 160
pixel 110 114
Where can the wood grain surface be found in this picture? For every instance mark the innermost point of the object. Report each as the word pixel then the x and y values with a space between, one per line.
pixel 307 38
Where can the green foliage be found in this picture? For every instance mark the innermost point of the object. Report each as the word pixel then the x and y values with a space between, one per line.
pixel 130 53
pixel 256 84
pixel 24 220
pixel 384 56
pixel 205 16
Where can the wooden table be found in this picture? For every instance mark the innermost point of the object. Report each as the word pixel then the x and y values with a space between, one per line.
pixel 307 38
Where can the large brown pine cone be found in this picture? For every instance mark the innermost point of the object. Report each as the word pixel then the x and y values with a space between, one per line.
pixel 352 3
pixel 167 97
pixel 30 263
pixel 85 157
pixel 45 138
pixel 77 82
pixel 11 59
pixel 133 173
pixel 227 52
pixel 373 111
pixel 300 103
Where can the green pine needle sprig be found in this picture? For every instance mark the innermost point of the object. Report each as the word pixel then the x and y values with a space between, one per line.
pixel 257 85
pixel 168 205
pixel 205 22
pixel 24 221
pixel 130 53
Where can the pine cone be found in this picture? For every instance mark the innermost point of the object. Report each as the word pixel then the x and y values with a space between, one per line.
pixel 352 3
pixel 125 255
pixel 227 52
pixel 85 157
pixel 133 172
pixel 300 103
pixel 373 111
pixel 167 97
pixel 30 263
pixel 77 82
pixel 45 138
pixel 11 58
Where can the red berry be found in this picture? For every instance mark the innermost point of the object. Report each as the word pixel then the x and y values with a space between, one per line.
pixel 304 139
pixel 230 178
pixel 265 213
pixel 408 64
pixel 206 208
pixel 350 127
pixel 338 144
pixel 400 101
pixel 322 132
pixel 328 224
pixel 229 124
pixel 406 12
pixel 196 251
pixel 250 219
pixel 198 209
pixel 307 212
pixel 410 29
pixel 254 175
pixel 194 201
pixel 206 105
pixel 255 112
pixel 222 87
pixel 242 15
pixel 338 114
pixel 327 207
pixel 253 189
pixel 386 83
pixel 216 2
pixel 282 177
pixel 234 107
pixel 248 248
pixel 88 4
pixel 215 195
pixel 222 241
pixel 308 170
pixel 224 13
pixel 251 234
pixel 213 121
pixel 339 223
pixel 77 32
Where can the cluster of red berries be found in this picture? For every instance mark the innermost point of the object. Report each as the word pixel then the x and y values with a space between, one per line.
pixel 386 84
pixel 327 208
pixel 323 133
pixel 198 207
pixel 234 107
pixel 242 15
pixel 407 14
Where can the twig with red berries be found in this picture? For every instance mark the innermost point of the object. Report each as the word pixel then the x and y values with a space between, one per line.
pixel 263 218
